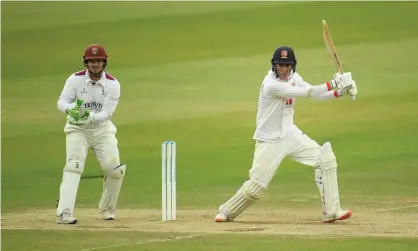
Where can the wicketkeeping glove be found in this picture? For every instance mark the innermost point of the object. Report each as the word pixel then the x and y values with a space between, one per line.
pixel 74 110
pixel 84 119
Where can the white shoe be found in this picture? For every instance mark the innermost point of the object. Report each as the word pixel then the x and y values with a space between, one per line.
pixel 66 218
pixel 340 215
pixel 221 217
pixel 108 214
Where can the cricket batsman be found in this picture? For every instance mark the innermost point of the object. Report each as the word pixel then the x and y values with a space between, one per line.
pixel 276 137
pixel 89 99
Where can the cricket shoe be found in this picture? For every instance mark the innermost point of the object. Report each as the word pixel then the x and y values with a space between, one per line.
pixel 66 218
pixel 222 216
pixel 109 214
pixel 340 215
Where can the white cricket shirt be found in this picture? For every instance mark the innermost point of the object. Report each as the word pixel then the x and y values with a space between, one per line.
pixel 101 97
pixel 275 105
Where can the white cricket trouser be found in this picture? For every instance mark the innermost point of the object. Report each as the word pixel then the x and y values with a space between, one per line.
pixel 269 155
pixel 101 140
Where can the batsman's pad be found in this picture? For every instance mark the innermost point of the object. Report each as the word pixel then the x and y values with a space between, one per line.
pixel 112 184
pixel 328 166
pixel 320 184
pixel 68 191
pixel 250 192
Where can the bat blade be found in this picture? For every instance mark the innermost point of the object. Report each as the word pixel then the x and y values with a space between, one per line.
pixel 330 46
pixel 331 49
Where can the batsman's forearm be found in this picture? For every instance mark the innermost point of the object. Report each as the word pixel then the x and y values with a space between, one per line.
pixel 308 91
pixel 319 90
pixel 327 95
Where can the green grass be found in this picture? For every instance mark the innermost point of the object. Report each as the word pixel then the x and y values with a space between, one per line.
pixel 191 71
pixel 130 241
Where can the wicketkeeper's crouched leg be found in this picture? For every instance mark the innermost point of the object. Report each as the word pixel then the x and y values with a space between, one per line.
pixel 68 191
pixel 107 153
pixel 250 192
pixel 77 149
pixel 112 184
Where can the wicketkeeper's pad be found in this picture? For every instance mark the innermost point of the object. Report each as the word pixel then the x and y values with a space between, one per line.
pixel 112 184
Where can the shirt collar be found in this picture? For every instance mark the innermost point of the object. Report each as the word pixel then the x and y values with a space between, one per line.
pixel 101 81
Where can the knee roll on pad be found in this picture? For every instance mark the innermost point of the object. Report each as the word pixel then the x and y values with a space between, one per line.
pixel 328 161
pixel 74 166
pixel 110 163
pixel 253 189
pixel 118 172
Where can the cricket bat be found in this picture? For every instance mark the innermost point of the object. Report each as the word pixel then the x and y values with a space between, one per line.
pixel 331 49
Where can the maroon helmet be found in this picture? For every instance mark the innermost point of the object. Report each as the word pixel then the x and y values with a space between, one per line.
pixel 95 51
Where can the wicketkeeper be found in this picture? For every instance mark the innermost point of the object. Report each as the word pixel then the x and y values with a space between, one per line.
pixel 277 137
pixel 89 99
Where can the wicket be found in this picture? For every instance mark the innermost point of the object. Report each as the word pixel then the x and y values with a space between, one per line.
pixel 168 180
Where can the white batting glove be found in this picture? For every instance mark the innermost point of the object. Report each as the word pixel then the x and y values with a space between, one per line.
pixel 350 90
pixel 343 80
pixel 353 89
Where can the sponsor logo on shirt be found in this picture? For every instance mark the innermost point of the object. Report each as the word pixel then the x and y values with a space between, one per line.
pixel 93 105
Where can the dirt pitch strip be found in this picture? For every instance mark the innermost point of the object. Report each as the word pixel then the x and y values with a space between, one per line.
pixel 395 222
